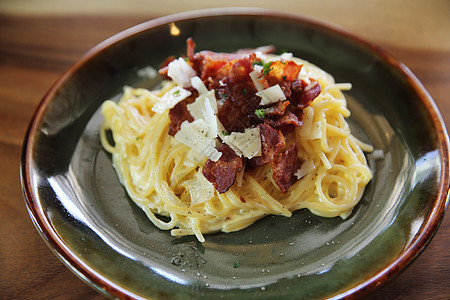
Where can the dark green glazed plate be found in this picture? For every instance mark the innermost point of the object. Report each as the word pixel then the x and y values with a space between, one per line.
pixel 83 213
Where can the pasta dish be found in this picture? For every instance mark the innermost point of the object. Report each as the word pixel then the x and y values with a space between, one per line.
pixel 229 138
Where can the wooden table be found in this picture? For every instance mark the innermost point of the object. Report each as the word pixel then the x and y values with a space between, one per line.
pixel 40 39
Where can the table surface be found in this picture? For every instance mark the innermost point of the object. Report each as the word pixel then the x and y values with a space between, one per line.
pixel 39 40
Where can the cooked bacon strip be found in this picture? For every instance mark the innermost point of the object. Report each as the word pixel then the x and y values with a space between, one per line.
pixel 287 121
pixel 272 140
pixel 223 172
pixel 277 109
pixel 284 165
pixel 303 94
pixel 179 113
pixel 283 71
pixel 236 93
pixel 208 63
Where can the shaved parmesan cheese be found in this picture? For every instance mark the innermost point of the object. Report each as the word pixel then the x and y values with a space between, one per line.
pixel 193 158
pixel 198 84
pixel 170 99
pixel 221 131
pixel 195 108
pixel 305 168
pixel 194 135
pixel 203 109
pixel 200 189
pixel 254 75
pixel 308 118
pixel 271 95
pixel 247 143
pixel 181 72
pixel 210 119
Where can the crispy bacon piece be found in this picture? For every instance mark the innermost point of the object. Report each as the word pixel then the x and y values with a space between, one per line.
pixel 287 121
pixel 208 63
pixel 237 94
pixel 272 140
pixel 303 94
pixel 277 109
pixel 283 73
pixel 222 173
pixel 284 165
pixel 179 113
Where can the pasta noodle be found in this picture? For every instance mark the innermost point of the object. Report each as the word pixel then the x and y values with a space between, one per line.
pixel 163 176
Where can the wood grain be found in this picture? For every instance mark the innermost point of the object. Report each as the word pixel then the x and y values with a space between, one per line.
pixel 35 50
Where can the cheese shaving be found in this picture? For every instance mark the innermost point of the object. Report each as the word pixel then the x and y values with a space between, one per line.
pixel 247 143
pixel 170 99
pixel 271 95
pixel 305 168
pixel 198 84
pixel 195 136
pixel 181 72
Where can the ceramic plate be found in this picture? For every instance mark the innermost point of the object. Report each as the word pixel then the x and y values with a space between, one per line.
pixel 84 214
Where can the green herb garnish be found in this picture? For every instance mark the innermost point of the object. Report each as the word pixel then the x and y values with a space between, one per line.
pixel 237 264
pixel 260 113
pixel 176 92
pixel 266 67
pixel 225 133
pixel 138 138
pixel 244 91
pixel 258 62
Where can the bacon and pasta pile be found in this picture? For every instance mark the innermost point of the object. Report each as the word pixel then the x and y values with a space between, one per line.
pixel 232 137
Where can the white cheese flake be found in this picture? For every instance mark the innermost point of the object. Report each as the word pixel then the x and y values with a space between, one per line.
pixel 247 143
pixel 170 99
pixel 271 95
pixel 195 136
pixel 308 119
pixel 200 189
pixel 305 169
pixel 204 108
pixel 198 84
pixel 254 75
pixel 181 72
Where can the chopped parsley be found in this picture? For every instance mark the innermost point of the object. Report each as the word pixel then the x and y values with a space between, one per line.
pixel 284 77
pixel 186 58
pixel 176 92
pixel 260 113
pixel 237 264
pixel 225 133
pixel 266 67
pixel 244 91
pixel 138 138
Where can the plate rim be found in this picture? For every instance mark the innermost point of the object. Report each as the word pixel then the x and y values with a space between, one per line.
pixel 107 287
